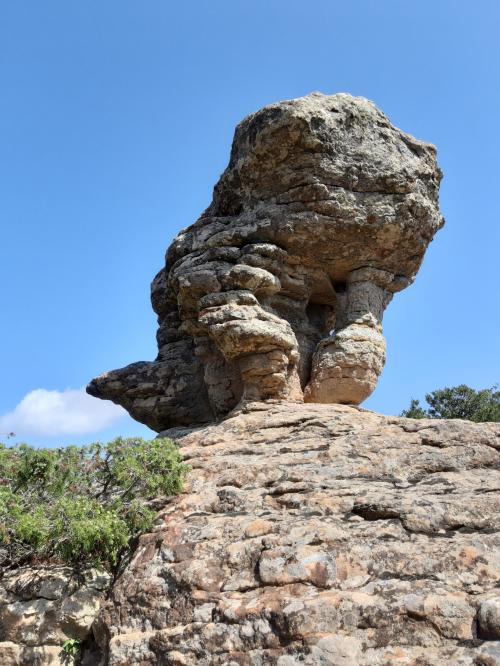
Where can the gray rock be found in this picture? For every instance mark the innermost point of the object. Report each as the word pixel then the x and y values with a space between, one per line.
pixel 278 290
pixel 489 619
pixel 41 607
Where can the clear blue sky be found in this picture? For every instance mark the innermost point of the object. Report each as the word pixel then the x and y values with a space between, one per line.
pixel 116 120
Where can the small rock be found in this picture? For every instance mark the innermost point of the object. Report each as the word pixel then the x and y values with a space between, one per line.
pixel 488 619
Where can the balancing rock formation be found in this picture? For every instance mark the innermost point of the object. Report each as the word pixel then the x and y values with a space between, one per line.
pixel 278 290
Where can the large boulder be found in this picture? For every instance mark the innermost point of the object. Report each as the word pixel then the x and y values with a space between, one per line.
pixel 278 290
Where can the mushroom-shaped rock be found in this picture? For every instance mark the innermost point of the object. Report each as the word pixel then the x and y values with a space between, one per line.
pixel 278 290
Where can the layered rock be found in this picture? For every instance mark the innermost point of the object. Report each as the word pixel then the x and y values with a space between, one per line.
pixel 319 535
pixel 278 290
pixel 41 607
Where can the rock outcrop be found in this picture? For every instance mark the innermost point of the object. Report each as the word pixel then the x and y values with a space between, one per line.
pixel 278 290
pixel 41 607
pixel 319 535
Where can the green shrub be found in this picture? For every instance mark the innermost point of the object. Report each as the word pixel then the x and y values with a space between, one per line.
pixel 458 402
pixel 70 650
pixel 82 505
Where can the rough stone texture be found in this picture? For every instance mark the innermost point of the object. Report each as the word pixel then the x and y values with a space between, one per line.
pixel 318 534
pixel 278 290
pixel 41 607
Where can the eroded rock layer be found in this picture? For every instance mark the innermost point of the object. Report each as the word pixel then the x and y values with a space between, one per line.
pixel 316 534
pixel 278 290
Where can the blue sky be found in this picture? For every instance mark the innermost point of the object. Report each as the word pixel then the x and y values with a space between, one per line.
pixel 115 123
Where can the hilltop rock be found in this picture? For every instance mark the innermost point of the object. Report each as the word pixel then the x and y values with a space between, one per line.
pixel 278 290
pixel 319 535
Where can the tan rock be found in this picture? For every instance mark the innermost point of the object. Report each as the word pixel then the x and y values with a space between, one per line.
pixel 324 211
pixel 299 540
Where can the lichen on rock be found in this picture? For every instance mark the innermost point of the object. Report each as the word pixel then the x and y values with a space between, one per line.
pixel 278 290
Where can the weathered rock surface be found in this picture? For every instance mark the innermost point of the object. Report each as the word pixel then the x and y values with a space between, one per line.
pixel 278 290
pixel 319 535
pixel 43 606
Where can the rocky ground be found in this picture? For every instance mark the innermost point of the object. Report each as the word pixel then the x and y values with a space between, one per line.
pixel 319 534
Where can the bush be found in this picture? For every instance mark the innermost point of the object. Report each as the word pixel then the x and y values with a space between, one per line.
pixel 458 402
pixel 82 505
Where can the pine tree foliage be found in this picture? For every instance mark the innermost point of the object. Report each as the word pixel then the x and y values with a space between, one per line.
pixel 458 402
pixel 82 505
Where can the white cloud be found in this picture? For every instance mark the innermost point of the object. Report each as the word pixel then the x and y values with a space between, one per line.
pixel 52 413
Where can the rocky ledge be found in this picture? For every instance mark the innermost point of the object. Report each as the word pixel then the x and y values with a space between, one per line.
pixel 319 534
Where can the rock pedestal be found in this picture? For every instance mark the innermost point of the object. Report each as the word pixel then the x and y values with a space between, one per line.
pixel 317 535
